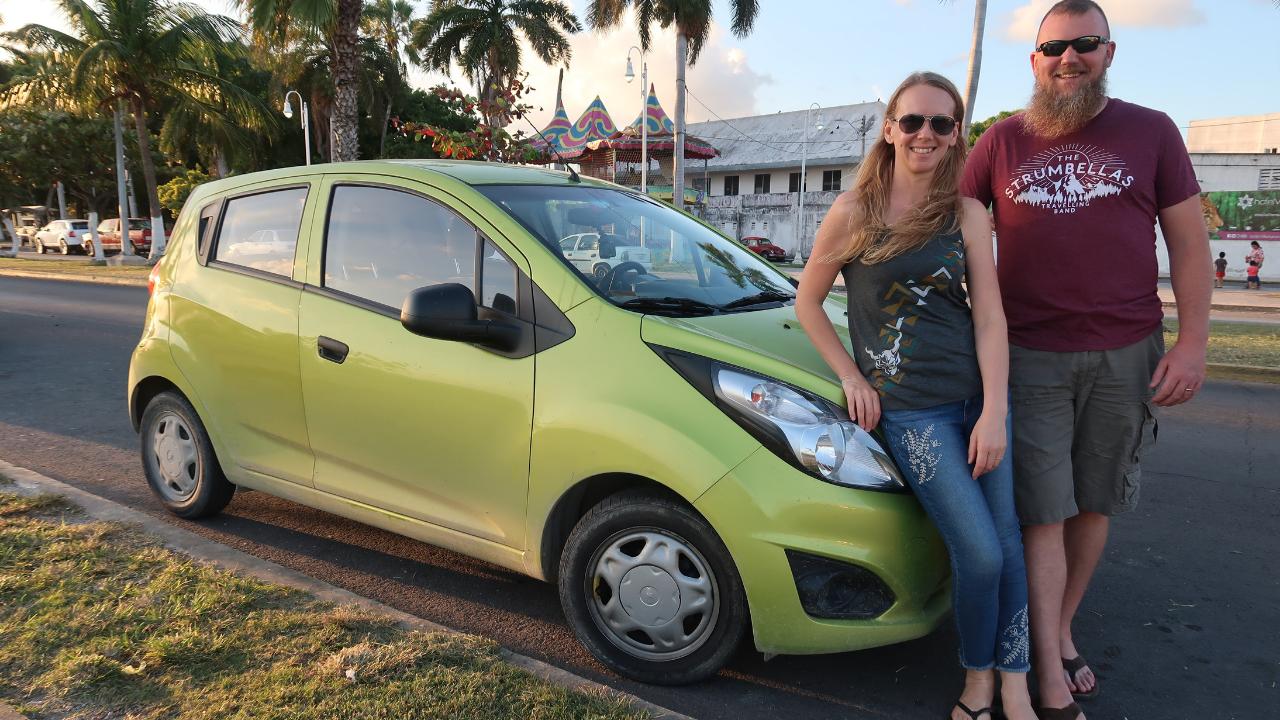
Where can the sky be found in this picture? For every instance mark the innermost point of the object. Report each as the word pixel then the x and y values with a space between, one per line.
pixel 1193 59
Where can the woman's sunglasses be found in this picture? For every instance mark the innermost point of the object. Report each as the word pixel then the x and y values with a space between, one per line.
pixel 1082 44
pixel 940 124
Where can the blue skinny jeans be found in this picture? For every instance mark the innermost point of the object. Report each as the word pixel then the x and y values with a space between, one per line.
pixel 977 521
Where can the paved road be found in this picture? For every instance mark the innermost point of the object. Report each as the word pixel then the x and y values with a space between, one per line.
pixel 1183 622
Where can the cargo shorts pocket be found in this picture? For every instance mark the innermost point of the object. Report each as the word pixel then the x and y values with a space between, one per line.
pixel 1148 434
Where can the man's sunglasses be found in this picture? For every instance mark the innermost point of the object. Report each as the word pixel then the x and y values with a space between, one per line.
pixel 1082 44
pixel 941 124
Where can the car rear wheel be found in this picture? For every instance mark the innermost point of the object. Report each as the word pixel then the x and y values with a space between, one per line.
pixel 62 246
pixel 651 590
pixel 178 459
pixel 600 271
pixel 87 247
pixel 39 246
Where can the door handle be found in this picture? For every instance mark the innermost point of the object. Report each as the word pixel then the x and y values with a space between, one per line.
pixel 331 350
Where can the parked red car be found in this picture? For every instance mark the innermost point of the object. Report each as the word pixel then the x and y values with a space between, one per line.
pixel 765 249
pixel 139 235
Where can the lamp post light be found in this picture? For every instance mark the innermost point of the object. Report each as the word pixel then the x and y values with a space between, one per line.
pixel 804 151
pixel 306 125
pixel 644 115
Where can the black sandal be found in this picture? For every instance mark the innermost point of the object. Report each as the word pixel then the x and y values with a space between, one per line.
pixel 1075 665
pixel 1070 712
pixel 974 714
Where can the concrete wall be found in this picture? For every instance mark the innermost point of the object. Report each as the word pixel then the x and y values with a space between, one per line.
pixel 1240 134
pixel 772 216
pixel 1237 171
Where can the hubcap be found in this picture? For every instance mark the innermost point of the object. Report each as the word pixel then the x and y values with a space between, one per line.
pixel 652 594
pixel 176 457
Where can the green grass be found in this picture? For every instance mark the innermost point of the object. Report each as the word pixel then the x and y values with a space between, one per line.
pixel 1237 343
pixel 98 620
pixel 76 267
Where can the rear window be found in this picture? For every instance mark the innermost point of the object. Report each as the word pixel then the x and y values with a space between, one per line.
pixel 137 224
pixel 80 225
pixel 261 231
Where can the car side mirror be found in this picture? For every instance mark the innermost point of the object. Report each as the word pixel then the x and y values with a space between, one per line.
pixel 448 312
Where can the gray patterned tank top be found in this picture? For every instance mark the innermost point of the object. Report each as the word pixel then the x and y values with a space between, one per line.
pixel 911 327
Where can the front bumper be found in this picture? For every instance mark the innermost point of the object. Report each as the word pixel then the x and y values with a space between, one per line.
pixel 765 507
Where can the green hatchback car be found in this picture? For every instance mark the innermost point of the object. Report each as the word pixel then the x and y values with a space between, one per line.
pixel 407 345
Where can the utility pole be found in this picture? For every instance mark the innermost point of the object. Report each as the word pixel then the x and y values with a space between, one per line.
pixel 122 193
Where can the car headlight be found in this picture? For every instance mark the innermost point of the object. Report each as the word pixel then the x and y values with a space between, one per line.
pixel 803 429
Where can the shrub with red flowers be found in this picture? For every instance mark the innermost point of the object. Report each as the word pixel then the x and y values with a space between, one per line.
pixel 490 140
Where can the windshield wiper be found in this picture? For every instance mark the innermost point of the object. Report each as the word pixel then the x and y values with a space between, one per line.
pixel 768 296
pixel 670 304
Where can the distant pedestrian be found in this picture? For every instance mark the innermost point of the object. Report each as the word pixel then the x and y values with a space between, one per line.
pixel 1255 254
pixel 1254 283
pixel 1220 269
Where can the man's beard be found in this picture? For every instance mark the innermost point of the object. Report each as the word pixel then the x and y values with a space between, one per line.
pixel 1051 115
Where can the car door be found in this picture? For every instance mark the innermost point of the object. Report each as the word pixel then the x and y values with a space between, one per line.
pixel 430 429
pixel 234 332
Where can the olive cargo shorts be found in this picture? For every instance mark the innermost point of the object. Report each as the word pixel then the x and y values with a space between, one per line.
pixel 1081 421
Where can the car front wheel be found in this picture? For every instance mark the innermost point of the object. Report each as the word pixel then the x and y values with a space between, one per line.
pixel 651 590
pixel 178 459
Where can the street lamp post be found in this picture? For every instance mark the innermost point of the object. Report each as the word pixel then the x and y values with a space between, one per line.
pixel 306 125
pixel 804 151
pixel 644 115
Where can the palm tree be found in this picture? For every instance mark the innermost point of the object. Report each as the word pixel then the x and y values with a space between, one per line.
pixel 338 21
pixel 692 20
pixel 480 37
pixel 975 64
pixel 392 22
pixel 138 51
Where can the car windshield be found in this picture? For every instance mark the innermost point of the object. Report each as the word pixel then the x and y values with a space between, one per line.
pixel 641 254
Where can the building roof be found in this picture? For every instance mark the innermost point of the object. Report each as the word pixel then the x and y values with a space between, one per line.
pixel 762 142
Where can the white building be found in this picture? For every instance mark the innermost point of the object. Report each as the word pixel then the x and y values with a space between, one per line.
pixel 753 187
pixel 1238 134
pixel 1237 171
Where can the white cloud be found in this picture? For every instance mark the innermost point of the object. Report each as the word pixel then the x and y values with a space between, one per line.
pixel 1024 21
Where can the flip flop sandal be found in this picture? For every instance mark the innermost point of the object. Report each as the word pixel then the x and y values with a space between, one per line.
pixel 974 714
pixel 1075 665
pixel 1070 712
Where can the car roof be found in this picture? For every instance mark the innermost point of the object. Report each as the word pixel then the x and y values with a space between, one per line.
pixel 466 172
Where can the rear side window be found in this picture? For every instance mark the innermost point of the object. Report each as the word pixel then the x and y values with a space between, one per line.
pixel 381 244
pixel 261 231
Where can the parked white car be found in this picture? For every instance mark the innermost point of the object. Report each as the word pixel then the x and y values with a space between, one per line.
pixel 596 256
pixel 64 236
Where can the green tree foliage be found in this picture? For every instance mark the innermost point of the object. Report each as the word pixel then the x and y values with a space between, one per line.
pixel 174 193
pixel 482 38
pixel 139 51
pixel 976 129
pixel 484 141
pixel 34 144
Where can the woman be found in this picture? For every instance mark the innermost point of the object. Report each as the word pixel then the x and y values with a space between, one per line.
pixel 905 240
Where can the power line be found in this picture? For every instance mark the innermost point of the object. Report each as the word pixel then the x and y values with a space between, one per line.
pixel 1238 122
pixel 732 126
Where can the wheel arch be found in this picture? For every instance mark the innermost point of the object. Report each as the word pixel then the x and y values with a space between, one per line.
pixel 144 391
pixel 578 500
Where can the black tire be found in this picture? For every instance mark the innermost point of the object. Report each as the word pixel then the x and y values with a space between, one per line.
pixel 718 627
pixel 192 486
pixel 87 247
pixel 38 246
pixel 62 246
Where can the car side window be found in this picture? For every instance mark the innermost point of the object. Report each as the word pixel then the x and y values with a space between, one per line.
pixel 261 231
pixel 497 280
pixel 381 244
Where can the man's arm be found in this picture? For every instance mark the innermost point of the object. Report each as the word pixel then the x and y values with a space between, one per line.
pixel 1182 368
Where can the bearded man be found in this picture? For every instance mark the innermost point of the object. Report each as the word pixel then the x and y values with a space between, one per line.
pixel 1076 183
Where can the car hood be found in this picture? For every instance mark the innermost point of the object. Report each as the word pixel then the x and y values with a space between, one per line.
pixel 766 341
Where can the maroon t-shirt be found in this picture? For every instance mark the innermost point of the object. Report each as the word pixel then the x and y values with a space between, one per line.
pixel 1075 224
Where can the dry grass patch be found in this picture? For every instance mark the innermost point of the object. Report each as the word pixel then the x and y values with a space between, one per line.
pixel 98 620
pixel 82 266
pixel 1237 343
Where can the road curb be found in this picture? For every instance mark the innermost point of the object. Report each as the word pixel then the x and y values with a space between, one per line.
pixel 99 279
pixel 1249 373
pixel 227 558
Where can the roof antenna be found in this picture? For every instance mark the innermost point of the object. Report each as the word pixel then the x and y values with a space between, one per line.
pixel 573 175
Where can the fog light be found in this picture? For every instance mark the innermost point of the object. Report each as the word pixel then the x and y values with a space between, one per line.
pixel 838 590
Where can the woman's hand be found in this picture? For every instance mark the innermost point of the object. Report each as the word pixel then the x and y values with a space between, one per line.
pixel 988 443
pixel 864 401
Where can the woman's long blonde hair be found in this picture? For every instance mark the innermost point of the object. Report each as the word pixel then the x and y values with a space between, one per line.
pixel 876 241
